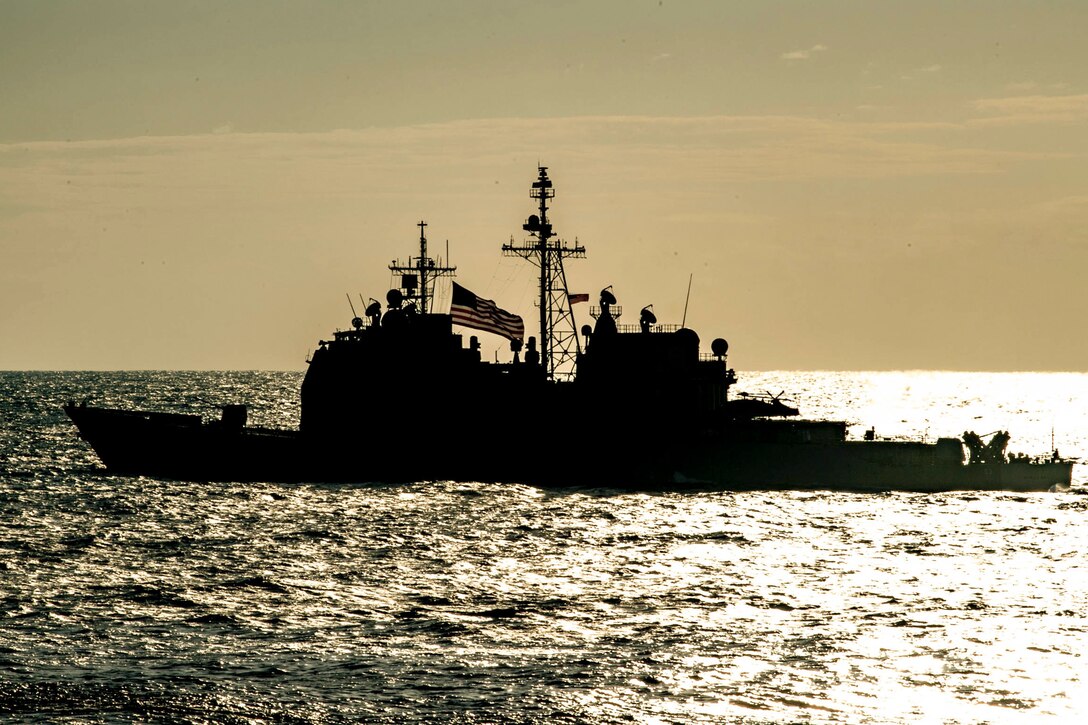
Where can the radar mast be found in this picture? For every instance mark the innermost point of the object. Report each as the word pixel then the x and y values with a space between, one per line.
pixel 418 276
pixel 559 344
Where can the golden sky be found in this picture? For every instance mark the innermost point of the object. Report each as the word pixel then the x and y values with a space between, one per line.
pixel 852 185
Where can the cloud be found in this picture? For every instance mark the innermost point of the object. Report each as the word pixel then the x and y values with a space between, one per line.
pixel 759 147
pixel 803 54
pixel 1078 203
pixel 1035 109
pixel 251 169
pixel 1022 86
pixel 929 70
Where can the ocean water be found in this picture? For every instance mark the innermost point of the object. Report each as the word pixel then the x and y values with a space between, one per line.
pixel 139 600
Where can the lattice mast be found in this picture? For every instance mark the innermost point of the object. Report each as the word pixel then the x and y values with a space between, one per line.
pixel 418 276
pixel 559 344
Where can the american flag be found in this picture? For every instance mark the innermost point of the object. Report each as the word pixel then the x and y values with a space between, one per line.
pixel 471 311
pixel 576 298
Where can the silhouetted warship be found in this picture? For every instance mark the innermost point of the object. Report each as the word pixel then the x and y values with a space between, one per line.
pixel 400 397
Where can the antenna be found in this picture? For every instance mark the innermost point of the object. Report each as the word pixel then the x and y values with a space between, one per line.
pixel 356 321
pixel 685 320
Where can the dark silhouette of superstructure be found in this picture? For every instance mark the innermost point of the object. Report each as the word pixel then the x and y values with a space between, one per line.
pixel 403 396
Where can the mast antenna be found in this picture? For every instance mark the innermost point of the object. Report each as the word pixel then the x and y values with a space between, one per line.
pixel 686 299
pixel 356 321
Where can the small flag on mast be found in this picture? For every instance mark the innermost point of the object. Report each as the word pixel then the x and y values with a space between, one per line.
pixel 576 298
pixel 471 311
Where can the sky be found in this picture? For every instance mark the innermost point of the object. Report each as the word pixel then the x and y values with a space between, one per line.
pixel 849 185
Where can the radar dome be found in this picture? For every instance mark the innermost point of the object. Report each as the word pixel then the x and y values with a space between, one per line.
pixel 689 336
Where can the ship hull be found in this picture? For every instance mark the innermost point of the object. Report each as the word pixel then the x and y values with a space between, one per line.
pixel 166 445
pixel 862 466
pixel 185 448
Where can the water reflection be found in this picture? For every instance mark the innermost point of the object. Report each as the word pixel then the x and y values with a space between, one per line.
pixel 435 600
